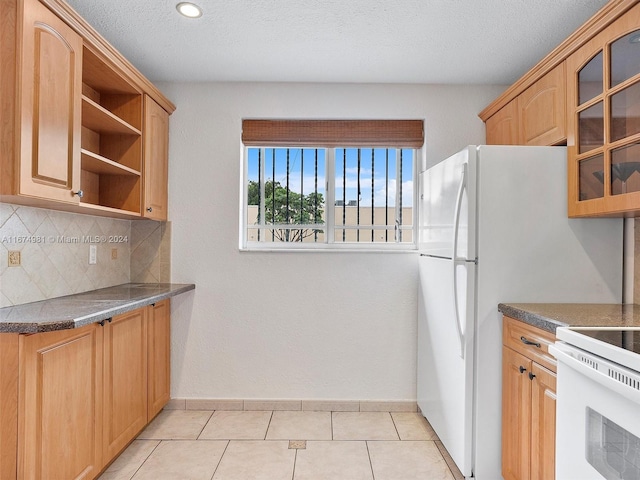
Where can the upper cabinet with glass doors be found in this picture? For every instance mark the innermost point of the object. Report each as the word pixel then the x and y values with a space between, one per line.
pixel 603 88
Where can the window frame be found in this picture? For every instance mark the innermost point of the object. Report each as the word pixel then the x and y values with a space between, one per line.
pixel 330 226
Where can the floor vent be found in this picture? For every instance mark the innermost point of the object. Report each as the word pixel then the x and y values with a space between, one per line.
pixel 297 444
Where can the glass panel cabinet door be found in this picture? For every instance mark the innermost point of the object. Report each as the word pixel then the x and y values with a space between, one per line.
pixel 625 58
pixel 591 177
pixel 603 86
pixel 591 128
pixel 625 112
pixel 590 80
pixel 625 169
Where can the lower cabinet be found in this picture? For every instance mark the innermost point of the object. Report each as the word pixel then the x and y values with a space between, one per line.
pixel 59 411
pixel 528 403
pixel 84 394
pixel 125 379
pixel 159 360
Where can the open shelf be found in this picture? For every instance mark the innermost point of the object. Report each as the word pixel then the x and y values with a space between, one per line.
pixel 101 120
pixel 102 77
pixel 92 162
pixel 114 212
pixel 122 192
pixel 111 143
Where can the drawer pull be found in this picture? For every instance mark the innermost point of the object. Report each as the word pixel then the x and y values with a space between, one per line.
pixel 522 369
pixel 529 342
pixel 531 376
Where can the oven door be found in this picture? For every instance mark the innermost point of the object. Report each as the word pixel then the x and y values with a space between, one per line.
pixel 597 417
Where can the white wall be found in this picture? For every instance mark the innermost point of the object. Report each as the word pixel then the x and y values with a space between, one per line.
pixel 291 325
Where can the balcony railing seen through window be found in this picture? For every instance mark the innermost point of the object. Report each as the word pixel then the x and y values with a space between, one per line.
pixel 329 196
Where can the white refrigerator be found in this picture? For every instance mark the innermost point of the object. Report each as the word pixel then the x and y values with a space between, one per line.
pixel 493 228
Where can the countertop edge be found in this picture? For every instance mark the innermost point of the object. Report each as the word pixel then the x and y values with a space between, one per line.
pixel 551 316
pixel 530 318
pixel 117 307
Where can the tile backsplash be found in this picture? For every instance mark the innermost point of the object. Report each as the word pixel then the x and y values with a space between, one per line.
pixel 54 253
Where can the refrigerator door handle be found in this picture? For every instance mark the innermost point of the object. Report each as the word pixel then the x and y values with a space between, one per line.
pixel 456 214
pixel 454 257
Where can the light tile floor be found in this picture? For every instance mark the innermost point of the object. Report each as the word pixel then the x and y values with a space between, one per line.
pixel 254 445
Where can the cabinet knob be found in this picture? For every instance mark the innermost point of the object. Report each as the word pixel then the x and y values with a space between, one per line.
pixel 522 369
pixel 79 193
pixel 531 376
pixel 149 209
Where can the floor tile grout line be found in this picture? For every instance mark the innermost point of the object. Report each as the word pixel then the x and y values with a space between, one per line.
pixel 444 457
pixel 332 425
pixel 395 426
pixel 295 459
pixel 268 425
pixel 143 462
pixel 220 461
pixel 373 475
pixel 205 424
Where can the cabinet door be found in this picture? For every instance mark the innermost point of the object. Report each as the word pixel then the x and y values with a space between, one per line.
pixel 156 160
pixel 51 88
pixel 603 85
pixel 125 379
pixel 159 334
pixel 516 415
pixel 502 126
pixel 543 423
pixel 542 112
pixel 59 417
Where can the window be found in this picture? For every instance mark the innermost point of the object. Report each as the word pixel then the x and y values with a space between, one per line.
pixel 329 184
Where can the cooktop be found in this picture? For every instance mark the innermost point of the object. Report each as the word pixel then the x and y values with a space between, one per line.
pixel 617 344
pixel 629 339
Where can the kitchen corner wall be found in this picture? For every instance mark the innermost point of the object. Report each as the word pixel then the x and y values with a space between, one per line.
pixel 275 325
pixel 54 251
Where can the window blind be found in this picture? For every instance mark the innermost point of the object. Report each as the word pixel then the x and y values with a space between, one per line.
pixel 333 133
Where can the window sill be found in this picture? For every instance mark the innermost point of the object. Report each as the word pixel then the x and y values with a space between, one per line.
pixel 331 249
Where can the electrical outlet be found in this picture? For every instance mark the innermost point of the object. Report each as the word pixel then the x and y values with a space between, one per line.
pixel 14 258
pixel 114 254
pixel 93 254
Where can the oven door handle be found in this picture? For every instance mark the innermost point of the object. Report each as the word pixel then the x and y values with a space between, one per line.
pixel 565 355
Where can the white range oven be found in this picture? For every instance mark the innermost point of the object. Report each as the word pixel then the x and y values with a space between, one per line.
pixel 598 403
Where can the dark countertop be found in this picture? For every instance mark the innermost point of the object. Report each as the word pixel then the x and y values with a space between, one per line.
pixel 549 316
pixel 75 311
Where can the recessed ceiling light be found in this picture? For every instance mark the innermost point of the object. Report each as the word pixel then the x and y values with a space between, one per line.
pixel 188 9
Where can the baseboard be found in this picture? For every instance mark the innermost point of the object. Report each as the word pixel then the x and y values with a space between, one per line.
pixel 293 405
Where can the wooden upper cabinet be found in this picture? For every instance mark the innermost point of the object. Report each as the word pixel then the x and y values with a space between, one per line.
pixel 50 111
pixel 542 111
pixel 73 114
pixel 156 160
pixel 535 117
pixel 603 78
pixel 502 127
pixel 111 163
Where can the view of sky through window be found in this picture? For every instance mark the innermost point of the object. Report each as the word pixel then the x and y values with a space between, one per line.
pixel 307 171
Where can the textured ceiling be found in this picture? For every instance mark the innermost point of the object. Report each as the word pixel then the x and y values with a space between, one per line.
pixel 364 41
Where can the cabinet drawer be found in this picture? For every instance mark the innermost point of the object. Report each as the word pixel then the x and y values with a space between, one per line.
pixel 530 341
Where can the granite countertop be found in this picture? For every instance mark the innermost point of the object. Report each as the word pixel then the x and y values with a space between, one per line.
pixel 549 316
pixel 74 311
